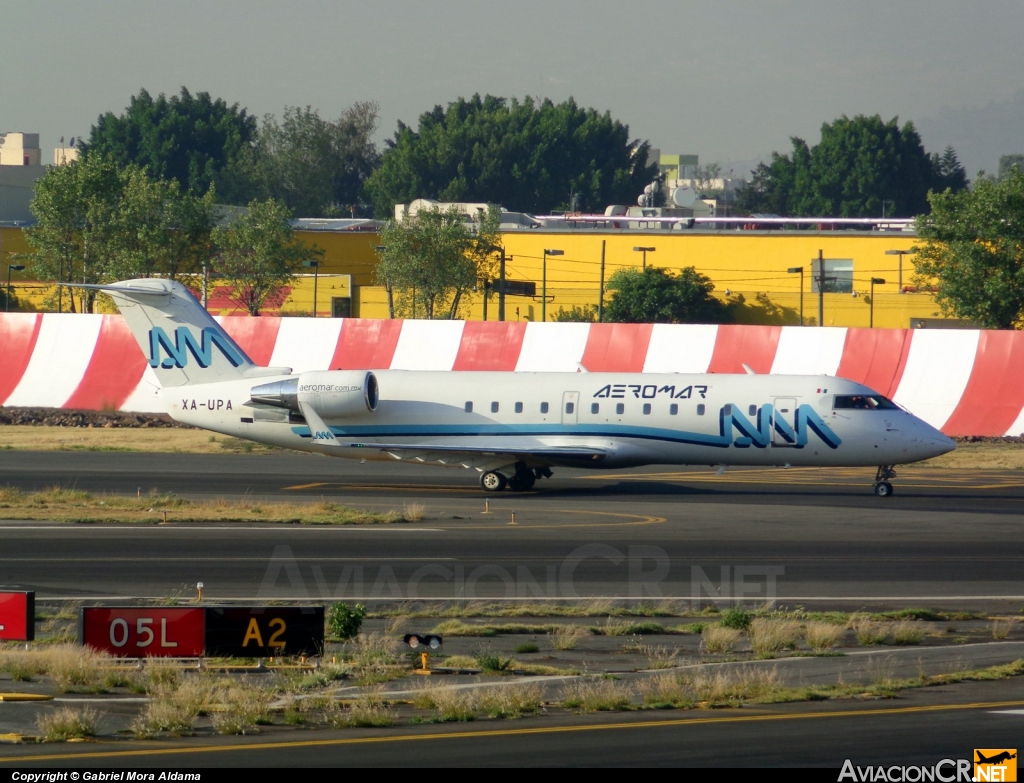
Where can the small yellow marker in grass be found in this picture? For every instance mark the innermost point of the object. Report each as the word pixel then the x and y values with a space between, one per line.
pixel 25 697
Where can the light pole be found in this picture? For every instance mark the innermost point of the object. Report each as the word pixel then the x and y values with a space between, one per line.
pixel 387 285
pixel 821 287
pixel 501 286
pixel 7 299
pixel 315 266
pixel 645 251
pixel 900 253
pixel 544 282
pixel 793 270
pixel 874 281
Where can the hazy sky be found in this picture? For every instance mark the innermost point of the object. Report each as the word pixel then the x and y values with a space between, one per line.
pixel 730 81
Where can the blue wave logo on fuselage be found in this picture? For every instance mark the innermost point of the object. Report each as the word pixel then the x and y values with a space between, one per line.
pixel 759 433
pixel 184 343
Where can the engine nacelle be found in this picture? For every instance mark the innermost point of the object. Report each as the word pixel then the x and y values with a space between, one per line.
pixel 337 394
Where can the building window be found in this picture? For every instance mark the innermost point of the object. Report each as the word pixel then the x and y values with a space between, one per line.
pixel 673 409
pixel 543 407
pixel 647 409
pixel 469 407
pixel 595 407
pixel 700 409
pixel 519 407
pixel 838 276
pixel 620 408
pixel 752 410
pixel 494 407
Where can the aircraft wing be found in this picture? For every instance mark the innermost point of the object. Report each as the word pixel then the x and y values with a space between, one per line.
pixel 482 456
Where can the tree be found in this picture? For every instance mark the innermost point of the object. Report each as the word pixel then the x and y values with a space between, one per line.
pixel 862 167
pixel 75 207
pixel 654 295
pixel 258 254
pixel 525 155
pixel 577 314
pixel 1008 162
pixel 949 173
pixel 97 222
pixel 317 167
pixel 158 229
pixel 704 178
pixel 193 139
pixel 972 247
pixel 431 259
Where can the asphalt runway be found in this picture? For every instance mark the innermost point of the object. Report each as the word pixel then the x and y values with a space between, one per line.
pixel 819 537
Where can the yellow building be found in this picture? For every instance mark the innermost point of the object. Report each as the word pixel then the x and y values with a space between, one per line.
pixel 748 268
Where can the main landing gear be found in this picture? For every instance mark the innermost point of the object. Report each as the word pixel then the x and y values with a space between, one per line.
pixel 882 486
pixel 521 481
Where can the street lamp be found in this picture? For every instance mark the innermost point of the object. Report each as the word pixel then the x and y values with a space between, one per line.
pixel 645 251
pixel 793 270
pixel 387 285
pixel 900 253
pixel 315 266
pixel 874 281
pixel 544 283
pixel 7 299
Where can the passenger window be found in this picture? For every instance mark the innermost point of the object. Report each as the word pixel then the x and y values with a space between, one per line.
pixel 519 407
pixel 543 407
pixel 469 407
pixel 727 409
pixel 752 410
pixel 570 407
pixel 673 409
pixel 595 407
pixel 647 408
pixel 494 407
pixel 620 408
pixel 700 409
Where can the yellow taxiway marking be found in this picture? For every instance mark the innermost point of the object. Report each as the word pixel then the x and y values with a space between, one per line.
pixel 484 734
pixel 432 488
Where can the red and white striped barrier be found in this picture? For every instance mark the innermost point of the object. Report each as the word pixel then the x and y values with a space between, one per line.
pixel 966 382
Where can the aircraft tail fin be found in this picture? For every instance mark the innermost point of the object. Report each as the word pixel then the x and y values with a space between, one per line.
pixel 182 342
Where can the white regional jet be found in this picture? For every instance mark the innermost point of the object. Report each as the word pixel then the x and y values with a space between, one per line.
pixel 514 427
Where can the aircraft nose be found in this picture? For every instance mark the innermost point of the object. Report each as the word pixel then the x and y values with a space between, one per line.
pixel 933 443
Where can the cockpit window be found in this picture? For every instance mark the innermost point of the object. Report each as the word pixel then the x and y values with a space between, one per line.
pixel 867 402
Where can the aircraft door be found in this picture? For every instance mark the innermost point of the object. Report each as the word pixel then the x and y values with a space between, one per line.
pixel 570 407
pixel 784 421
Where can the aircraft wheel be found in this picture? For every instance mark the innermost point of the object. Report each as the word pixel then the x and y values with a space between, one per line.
pixel 493 481
pixel 883 489
pixel 521 482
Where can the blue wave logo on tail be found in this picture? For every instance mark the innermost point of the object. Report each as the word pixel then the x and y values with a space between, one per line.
pixel 184 343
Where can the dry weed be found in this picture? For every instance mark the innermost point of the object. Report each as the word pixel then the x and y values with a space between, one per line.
pixel 716 638
pixel 822 637
pixel 66 723
pixel 1002 628
pixel 511 701
pixel 597 695
pixel 566 637
pixel 908 632
pixel 768 637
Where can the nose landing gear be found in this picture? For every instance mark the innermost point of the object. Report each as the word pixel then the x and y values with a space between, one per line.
pixel 882 486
